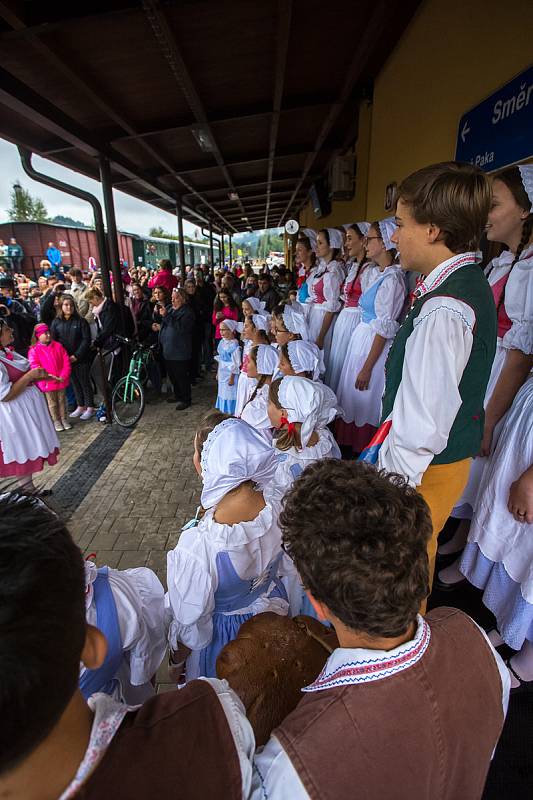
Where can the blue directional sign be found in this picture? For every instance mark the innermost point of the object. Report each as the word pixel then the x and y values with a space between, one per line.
pixel 499 131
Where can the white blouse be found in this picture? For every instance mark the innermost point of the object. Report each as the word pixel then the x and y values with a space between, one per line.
pixel 333 277
pixel 518 300
pixel 255 413
pixel 390 299
pixel 292 462
pixel 428 399
pixel 140 601
pixel 192 573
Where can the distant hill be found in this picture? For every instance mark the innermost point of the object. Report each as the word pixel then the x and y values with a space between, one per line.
pixel 73 223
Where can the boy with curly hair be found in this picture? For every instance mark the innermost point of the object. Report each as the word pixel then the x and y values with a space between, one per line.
pixel 406 707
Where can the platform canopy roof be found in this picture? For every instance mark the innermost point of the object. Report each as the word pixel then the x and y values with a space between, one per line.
pixel 236 106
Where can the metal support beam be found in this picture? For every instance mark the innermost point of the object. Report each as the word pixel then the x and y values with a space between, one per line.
pixel 230 251
pixel 181 241
pixel 221 251
pixel 211 251
pixel 282 48
pixel 31 172
pixel 170 50
pixel 112 236
pixel 365 47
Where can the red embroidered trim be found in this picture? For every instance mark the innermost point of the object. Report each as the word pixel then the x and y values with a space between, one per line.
pixel 370 669
pixel 461 262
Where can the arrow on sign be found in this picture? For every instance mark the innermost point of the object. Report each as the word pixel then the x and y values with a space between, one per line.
pixel 465 130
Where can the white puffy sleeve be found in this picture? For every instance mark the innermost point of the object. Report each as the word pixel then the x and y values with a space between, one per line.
pixel 428 399
pixel 236 361
pixel 140 601
pixel 333 280
pixel 190 599
pixel 390 298
pixel 5 383
pixel 519 307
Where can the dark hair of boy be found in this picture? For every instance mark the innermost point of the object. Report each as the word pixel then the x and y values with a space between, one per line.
pixel 358 539
pixel 42 624
pixel 453 196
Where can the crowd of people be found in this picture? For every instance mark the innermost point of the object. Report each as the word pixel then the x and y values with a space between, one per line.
pixel 363 399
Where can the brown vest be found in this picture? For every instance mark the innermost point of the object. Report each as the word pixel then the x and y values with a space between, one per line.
pixel 177 744
pixel 426 733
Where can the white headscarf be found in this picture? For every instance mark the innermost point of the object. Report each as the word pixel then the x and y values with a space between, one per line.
pixel 386 228
pixel 267 359
pixel 311 235
pixel 260 321
pixel 257 304
pixel 295 322
pixel 526 173
pixel 312 404
pixel 232 454
pixel 232 324
pixel 305 357
pixel 364 227
pixel 335 238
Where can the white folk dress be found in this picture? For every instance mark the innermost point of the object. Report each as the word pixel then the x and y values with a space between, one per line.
pixel 229 362
pixel 515 332
pixel 221 575
pixel 381 306
pixel 245 385
pixel 325 281
pixel 27 436
pixel 498 557
pixel 255 413
pixel 292 462
pixel 358 280
pixel 140 602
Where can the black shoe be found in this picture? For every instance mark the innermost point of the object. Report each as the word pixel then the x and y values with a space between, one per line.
pixel 182 406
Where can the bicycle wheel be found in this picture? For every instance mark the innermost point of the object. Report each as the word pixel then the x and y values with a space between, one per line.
pixel 127 402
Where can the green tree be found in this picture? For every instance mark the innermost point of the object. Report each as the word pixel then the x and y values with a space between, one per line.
pixel 25 208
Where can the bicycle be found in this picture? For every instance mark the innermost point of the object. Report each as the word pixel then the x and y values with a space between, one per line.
pixel 128 395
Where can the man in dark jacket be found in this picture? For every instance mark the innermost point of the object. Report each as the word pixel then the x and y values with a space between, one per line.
pixel 21 323
pixel 267 293
pixel 175 337
pixel 206 297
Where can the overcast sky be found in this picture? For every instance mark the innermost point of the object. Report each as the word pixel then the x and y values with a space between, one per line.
pixel 132 215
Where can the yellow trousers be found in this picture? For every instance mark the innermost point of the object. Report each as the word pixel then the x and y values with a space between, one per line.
pixel 441 487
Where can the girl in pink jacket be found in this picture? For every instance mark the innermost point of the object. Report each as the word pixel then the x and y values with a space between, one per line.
pixel 52 357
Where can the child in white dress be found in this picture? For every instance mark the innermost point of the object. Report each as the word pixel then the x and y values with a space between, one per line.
pixel 229 361
pixel 263 364
pixel 228 565
pixel 128 606
pixel 301 410
pixel 253 332
pixel 362 378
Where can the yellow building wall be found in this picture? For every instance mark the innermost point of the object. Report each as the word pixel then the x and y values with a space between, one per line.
pixel 452 55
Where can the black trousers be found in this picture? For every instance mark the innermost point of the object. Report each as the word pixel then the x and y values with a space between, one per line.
pixel 179 373
pixel 80 378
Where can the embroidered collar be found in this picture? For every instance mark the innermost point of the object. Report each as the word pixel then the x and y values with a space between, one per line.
pixel 444 270
pixel 347 667
pixel 108 716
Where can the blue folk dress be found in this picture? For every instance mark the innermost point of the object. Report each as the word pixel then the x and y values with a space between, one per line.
pixel 229 362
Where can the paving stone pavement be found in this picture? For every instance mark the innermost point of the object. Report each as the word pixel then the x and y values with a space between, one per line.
pixel 132 513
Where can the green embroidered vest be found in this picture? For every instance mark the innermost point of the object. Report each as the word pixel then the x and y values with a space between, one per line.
pixel 470 285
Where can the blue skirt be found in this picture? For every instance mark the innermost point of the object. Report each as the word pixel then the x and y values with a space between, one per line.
pixel 501 595
pixel 226 406
pixel 225 629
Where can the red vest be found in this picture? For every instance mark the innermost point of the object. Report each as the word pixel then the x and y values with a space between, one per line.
pixel 425 733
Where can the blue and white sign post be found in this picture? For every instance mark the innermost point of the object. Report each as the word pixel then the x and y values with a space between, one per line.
pixel 499 131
